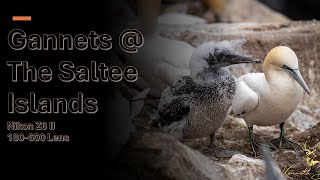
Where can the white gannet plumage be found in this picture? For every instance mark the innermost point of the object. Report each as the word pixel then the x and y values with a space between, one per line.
pixel 269 98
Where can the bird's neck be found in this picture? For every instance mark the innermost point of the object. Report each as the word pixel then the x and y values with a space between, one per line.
pixel 281 81
pixel 209 76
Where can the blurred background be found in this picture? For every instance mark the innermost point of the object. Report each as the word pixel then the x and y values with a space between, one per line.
pixel 212 11
pixel 296 9
pixel 293 9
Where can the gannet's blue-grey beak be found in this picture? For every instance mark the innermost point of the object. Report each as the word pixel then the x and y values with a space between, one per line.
pixel 296 75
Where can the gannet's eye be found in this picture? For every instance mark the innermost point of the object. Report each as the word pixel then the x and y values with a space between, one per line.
pixel 288 68
pixel 241 114
pixel 285 67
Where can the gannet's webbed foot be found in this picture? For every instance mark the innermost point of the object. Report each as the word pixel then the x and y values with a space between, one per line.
pixel 255 146
pixel 211 144
pixel 283 141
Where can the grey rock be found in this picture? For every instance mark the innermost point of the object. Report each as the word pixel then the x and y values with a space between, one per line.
pixel 156 155
pixel 179 19
pixel 257 166
pixel 242 172
pixel 250 11
pixel 301 121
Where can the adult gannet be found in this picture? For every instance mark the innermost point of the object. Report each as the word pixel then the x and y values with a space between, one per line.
pixel 196 105
pixel 269 98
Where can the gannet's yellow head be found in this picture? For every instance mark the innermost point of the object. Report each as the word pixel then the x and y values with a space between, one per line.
pixel 282 58
pixel 282 55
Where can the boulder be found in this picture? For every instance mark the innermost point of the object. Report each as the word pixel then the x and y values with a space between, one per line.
pixel 154 155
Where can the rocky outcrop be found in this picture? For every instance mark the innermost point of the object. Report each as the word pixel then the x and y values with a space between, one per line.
pixel 159 156
pixel 250 11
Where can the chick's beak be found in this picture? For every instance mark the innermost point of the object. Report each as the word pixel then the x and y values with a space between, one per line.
pixel 237 59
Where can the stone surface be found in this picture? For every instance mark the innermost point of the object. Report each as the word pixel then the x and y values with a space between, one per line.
pixel 302 121
pixel 250 11
pixel 233 137
pixel 160 156
pixel 241 172
pixel 256 166
pixel 179 19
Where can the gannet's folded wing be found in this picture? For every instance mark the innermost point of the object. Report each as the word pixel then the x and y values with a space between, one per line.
pixel 175 101
pixel 245 100
pixel 174 111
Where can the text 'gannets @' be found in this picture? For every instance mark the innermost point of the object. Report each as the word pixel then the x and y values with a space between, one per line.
pixel 269 98
pixel 196 105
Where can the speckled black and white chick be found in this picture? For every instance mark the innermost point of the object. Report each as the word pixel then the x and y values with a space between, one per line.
pixel 196 106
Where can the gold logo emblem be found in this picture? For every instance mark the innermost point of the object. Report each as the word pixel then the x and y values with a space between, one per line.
pixel 311 155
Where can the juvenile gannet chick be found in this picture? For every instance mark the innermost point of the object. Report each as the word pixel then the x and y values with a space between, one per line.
pixel 195 106
pixel 269 98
